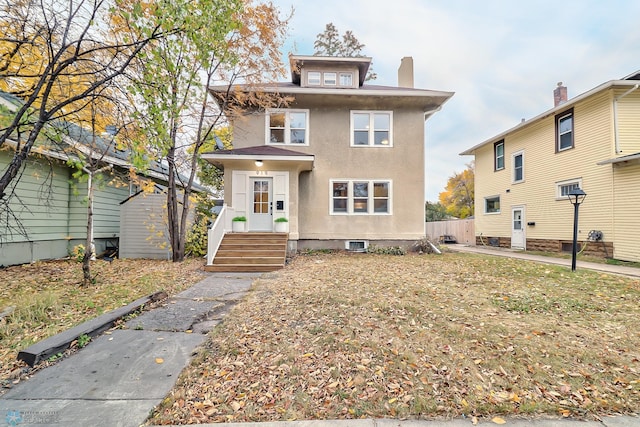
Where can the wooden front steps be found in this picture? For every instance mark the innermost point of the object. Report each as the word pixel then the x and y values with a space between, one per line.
pixel 250 252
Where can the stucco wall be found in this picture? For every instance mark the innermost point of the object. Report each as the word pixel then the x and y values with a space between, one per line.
pixel 329 140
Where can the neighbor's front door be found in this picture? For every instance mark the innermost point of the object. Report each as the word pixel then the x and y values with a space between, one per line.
pixel 261 214
pixel 517 227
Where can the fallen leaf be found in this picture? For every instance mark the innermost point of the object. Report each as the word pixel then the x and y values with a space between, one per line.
pixel 159 360
pixel 498 420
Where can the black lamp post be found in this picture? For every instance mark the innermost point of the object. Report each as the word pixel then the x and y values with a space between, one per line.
pixel 576 197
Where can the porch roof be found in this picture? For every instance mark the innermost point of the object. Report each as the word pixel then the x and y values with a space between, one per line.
pixel 262 153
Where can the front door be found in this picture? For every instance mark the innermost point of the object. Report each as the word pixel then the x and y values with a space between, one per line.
pixel 517 228
pixel 261 213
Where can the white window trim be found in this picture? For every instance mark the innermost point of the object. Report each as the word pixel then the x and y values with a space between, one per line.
pixel 513 169
pixel 287 128
pixel 560 184
pixel 370 198
pixel 319 73
pixel 344 73
pixel 371 130
pixel 484 207
pixel 326 81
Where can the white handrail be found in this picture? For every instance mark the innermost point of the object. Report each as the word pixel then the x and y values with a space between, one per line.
pixel 216 234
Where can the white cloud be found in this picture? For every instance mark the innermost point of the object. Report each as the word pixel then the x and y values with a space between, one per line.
pixel 502 58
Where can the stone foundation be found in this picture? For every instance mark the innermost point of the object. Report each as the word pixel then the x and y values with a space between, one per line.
pixel 595 249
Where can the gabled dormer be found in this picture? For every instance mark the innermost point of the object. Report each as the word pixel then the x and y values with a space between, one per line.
pixel 328 71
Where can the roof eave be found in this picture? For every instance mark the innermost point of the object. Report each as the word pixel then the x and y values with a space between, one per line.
pixel 570 103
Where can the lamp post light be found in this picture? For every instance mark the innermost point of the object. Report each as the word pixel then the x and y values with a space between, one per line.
pixel 576 197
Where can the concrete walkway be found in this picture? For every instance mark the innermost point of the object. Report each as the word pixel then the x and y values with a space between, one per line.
pixel 606 268
pixel 119 378
pixel 123 374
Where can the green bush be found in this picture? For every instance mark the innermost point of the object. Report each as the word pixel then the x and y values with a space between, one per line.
pixel 197 237
pixel 387 250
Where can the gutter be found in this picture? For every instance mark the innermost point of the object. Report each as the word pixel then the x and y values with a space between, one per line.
pixel 615 117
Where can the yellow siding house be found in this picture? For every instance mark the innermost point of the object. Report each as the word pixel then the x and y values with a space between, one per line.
pixel 523 175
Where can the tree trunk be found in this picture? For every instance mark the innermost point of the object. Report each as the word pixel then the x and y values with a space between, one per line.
pixel 88 247
pixel 177 244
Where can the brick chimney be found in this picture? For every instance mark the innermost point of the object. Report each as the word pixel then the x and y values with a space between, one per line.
pixel 405 72
pixel 559 95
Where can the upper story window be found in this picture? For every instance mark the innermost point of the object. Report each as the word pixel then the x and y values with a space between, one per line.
pixel 564 131
pixel 360 197
pixel 346 79
pixel 330 78
pixel 287 127
pixel 314 78
pixel 498 155
pixel 371 128
pixel 518 166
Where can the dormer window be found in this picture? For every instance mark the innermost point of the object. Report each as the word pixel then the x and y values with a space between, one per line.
pixel 346 79
pixel 314 78
pixel 330 78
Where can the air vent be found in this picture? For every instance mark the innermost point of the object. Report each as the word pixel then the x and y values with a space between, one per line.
pixel 356 245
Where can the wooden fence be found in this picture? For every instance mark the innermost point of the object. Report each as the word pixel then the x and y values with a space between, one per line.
pixel 462 230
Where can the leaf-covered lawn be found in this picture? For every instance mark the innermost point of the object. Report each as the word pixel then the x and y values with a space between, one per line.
pixel 349 336
pixel 47 298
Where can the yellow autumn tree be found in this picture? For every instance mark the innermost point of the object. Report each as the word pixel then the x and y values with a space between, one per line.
pixel 458 197
pixel 60 58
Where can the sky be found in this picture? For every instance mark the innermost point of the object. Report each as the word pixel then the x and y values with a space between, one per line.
pixel 502 58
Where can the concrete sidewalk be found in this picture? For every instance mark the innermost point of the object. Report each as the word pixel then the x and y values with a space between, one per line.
pixel 122 375
pixel 605 268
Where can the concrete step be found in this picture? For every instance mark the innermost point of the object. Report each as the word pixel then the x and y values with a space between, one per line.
pixel 242 268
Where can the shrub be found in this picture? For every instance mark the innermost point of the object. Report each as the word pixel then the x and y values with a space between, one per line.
pixel 387 250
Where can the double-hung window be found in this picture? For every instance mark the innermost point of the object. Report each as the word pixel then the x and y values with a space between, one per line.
pixel 288 127
pixel 518 166
pixel 564 131
pixel 498 155
pixel 360 197
pixel 372 128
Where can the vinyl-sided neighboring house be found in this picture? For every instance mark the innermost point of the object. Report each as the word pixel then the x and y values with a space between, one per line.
pixel 343 161
pixel 523 175
pixel 48 212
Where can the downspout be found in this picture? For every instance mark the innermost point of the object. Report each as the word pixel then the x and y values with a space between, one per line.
pixel 615 117
pixel 427 114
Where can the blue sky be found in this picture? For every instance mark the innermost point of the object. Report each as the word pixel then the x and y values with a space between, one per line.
pixel 502 58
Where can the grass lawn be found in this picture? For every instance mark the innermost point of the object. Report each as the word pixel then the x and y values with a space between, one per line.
pixel 362 335
pixel 47 298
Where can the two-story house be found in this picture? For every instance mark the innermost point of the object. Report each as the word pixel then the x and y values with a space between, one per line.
pixel 591 142
pixel 343 161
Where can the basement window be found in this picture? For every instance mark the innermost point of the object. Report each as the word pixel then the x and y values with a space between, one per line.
pixel 356 245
